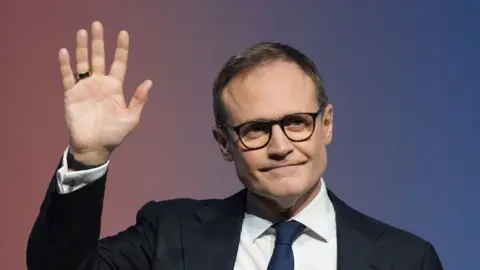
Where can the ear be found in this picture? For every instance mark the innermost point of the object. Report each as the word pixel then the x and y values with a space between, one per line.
pixel 327 123
pixel 222 139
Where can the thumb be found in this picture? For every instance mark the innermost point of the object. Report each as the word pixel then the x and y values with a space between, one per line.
pixel 140 96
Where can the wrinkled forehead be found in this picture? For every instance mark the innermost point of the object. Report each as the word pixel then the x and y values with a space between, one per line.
pixel 269 91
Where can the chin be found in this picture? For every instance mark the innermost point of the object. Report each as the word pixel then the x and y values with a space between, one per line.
pixel 286 188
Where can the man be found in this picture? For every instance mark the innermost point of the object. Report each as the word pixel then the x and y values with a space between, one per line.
pixel 273 121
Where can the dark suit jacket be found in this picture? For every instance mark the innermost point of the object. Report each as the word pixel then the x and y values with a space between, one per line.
pixel 192 234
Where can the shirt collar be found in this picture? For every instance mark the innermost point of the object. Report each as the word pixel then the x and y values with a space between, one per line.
pixel 318 216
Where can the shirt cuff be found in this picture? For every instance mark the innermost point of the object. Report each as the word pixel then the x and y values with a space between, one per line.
pixel 70 181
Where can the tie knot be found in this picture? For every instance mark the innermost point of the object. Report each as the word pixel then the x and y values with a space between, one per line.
pixel 287 232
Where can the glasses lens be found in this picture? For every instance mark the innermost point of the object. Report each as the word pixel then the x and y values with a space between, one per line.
pixel 298 127
pixel 254 134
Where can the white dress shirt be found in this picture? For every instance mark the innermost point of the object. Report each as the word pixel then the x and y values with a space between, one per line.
pixel 315 249
pixel 69 181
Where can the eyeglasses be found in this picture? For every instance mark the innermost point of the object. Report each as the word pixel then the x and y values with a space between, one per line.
pixel 297 127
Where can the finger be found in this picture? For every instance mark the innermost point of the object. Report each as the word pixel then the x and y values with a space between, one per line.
pixel 119 65
pixel 140 96
pixel 82 51
pixel 68 79
pixel 98 49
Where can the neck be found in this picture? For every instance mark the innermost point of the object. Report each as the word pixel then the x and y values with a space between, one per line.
pixel 275 209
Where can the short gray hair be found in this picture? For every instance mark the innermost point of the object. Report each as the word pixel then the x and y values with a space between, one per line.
pixel 254 56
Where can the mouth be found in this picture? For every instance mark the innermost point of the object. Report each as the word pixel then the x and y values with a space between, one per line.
pixel 282 166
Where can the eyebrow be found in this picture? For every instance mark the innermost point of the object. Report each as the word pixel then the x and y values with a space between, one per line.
pixel 272 119
pixel 278 118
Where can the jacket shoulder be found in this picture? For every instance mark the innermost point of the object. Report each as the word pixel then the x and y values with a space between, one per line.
pixel 411 249
pixel 405 244
pixel 175 209
pixel 395 235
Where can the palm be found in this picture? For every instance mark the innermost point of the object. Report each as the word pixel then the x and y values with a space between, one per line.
pixel 96 114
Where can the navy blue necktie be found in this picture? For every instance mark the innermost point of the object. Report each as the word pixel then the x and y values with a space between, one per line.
pixel 286 233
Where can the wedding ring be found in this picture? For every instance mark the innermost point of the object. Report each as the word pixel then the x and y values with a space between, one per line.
pixel 80 76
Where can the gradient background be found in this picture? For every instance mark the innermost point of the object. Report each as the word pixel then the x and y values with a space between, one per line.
pixel 403 77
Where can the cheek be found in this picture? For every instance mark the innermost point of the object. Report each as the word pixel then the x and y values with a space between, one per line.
pixel 253 159
pixel 318 156
pixel 313 149
pixel 248 161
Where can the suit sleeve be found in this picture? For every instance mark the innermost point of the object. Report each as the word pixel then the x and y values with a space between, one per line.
pixel 67 230
pixel 431 260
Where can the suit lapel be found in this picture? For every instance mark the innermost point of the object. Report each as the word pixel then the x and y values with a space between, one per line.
pixel 357 236
pixel 211 242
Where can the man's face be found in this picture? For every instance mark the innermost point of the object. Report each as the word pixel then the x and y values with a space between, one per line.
pixel 281 169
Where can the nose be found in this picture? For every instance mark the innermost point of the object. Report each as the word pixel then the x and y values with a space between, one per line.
pixel 279 146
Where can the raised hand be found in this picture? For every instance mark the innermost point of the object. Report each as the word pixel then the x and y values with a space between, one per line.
pixel 97 116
